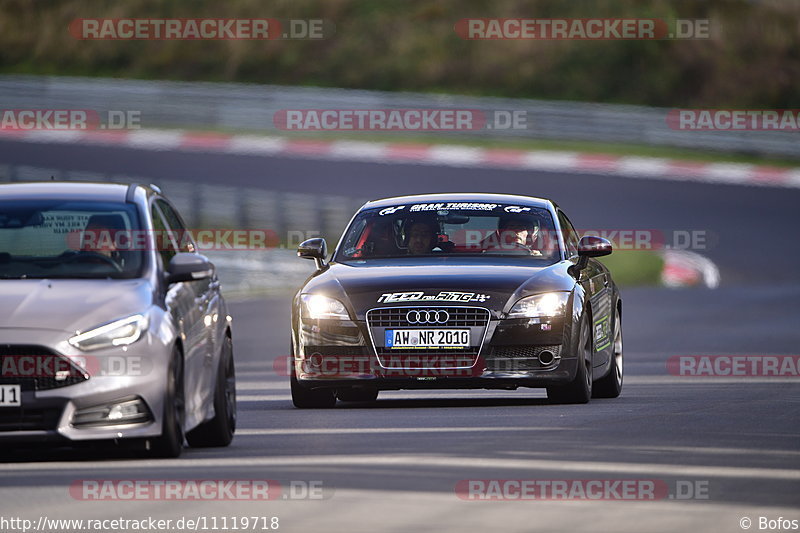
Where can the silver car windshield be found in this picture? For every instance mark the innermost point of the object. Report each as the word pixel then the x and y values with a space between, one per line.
pixel 70 239
pixel 452 229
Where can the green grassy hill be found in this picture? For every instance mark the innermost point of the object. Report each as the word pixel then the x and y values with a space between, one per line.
pixel 752 59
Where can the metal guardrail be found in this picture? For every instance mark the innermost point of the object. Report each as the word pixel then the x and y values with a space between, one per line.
pixel 230 106
pixel 289 218
pixel 292 216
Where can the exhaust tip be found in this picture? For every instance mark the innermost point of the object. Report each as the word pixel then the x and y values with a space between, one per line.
pixel 546 357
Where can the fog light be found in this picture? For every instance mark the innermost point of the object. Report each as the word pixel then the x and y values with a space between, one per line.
pixel 126 411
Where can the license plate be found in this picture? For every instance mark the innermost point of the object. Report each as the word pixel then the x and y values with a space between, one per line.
pixel 10 396
pixel 427 338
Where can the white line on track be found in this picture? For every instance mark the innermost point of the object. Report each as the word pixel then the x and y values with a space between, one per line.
pixel 428 462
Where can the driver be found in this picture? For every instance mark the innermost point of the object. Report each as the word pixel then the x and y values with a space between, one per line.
pixel 422 236
pixel 100 235
pixel 513 233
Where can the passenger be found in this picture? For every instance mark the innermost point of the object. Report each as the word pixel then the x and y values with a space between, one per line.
pixel 513 234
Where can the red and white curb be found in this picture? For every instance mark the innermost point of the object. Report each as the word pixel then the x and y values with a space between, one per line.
pixel 688 269
pixel 446 155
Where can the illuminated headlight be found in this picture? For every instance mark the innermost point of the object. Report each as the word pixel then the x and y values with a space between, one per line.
pixel 318 306
pixel 549 304
pixel 118 333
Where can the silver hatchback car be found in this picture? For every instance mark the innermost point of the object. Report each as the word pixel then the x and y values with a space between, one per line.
pixel 112 326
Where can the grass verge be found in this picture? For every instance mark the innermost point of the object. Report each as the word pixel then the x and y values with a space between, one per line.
pixel 634 268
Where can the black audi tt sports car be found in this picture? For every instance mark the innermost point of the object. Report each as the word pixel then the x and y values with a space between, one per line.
pixel 460 291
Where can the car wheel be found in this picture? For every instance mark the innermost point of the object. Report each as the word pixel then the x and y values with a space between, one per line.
pixel 219 430
pixel 357 394
pixel 611 385
pixel 170 443
pixel 304 398
pixel 579 390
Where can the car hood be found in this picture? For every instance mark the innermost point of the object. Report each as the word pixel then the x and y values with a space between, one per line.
pixel 70 305
pixel 494 286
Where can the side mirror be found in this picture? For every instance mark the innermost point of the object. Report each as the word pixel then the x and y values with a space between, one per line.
pixel 186 266
pixel 315 249
pixel 591 246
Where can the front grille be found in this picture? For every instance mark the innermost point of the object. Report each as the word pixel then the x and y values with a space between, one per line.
pixel 33 368
pixel 395 317
pixel 29 419
pixel 520 357
pixel 477 318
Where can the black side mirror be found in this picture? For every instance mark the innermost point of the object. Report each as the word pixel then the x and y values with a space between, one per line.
pixel 186 266
pixel 592 246
pixel 589 246
pixel 315 249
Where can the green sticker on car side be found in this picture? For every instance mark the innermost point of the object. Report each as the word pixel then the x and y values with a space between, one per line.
pixel 601 333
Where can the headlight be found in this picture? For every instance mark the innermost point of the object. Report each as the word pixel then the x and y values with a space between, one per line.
pixel 318 306
pixel 549 304
pixel 118 333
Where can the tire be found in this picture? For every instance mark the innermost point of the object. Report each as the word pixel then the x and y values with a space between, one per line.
pixel 304 398
pixel 219 430
pixel 357 394
pixel 610 386
pixel 579 390
pixel 170 443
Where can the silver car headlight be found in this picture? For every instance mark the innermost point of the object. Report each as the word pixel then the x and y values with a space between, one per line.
pixel 120 332
pixel 318 306
pixel 548 304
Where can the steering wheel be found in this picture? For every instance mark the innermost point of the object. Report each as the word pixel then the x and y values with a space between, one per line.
pixel 89 255
pixel 514 247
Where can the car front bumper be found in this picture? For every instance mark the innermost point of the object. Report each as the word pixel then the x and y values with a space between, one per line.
pixel 47 411
pixel 512 353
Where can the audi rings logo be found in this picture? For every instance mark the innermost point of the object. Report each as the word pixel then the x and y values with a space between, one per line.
pixel 428 317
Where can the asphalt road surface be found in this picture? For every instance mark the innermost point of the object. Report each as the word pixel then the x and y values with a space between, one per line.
pixel 719 450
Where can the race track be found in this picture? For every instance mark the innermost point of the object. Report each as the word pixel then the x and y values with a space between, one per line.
pixel 395 465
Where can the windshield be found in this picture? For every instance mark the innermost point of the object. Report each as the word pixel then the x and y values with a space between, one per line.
pixel 67 239
pixel 452 229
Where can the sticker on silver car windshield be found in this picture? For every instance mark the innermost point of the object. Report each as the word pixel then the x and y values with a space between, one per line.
pixel 442 296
